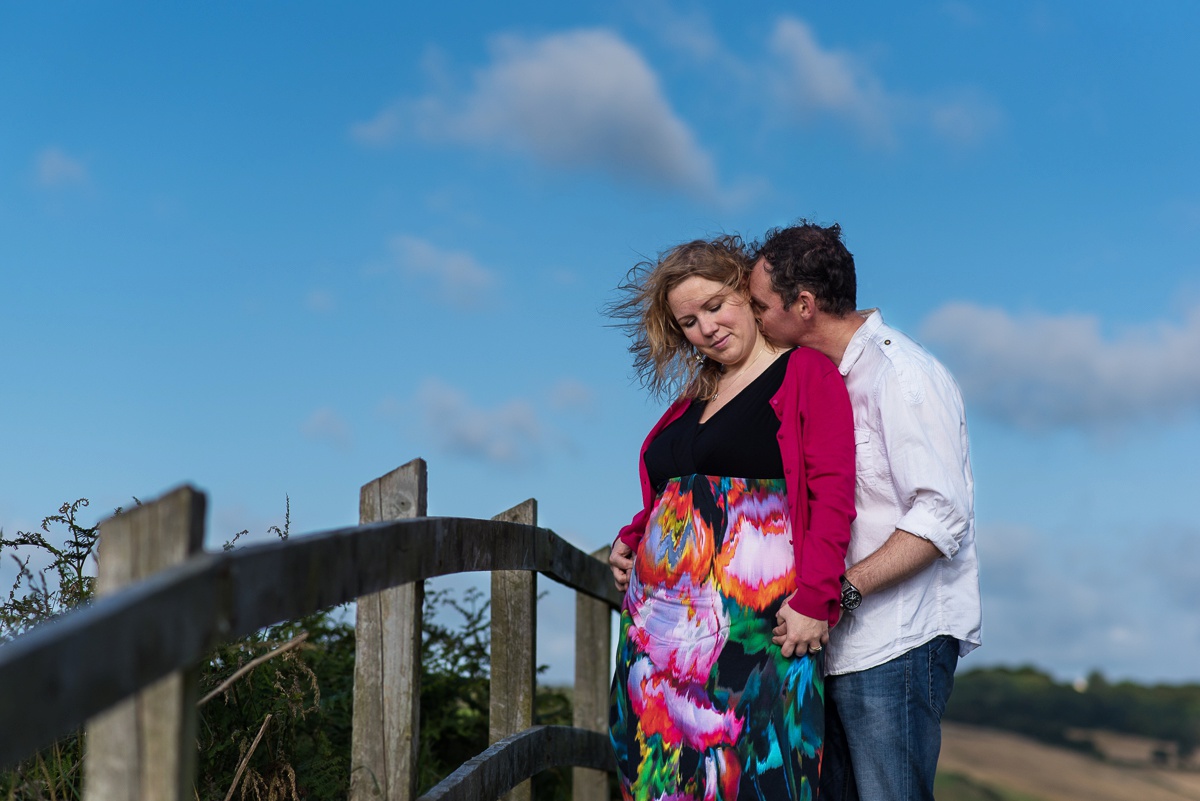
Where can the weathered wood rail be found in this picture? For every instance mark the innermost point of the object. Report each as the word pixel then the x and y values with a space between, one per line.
pixel 125 665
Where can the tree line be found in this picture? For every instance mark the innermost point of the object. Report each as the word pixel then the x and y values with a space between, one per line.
pixel 1028 701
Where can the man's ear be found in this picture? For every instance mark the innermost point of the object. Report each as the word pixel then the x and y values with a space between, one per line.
pixel 805 306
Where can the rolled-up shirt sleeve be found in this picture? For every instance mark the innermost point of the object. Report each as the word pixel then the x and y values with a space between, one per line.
pixel 925 437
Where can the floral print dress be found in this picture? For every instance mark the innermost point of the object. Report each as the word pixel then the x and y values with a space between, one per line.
pixel 704 705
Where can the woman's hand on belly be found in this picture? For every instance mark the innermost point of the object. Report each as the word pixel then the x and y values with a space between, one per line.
pixel 620 560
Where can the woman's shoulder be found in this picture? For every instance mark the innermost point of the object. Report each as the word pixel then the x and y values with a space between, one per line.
pixel 676 410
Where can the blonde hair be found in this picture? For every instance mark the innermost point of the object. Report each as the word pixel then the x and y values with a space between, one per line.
pixel 665 362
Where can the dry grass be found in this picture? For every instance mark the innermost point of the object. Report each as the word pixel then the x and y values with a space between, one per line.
pixel 1009 761
pixel 1130 749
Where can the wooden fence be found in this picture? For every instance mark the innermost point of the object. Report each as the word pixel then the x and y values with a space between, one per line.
pixel 126 664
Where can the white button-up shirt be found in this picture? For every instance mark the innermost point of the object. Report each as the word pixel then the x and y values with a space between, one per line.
pixel 914 474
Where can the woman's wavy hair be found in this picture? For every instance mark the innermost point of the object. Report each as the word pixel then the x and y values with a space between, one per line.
pixel 665 362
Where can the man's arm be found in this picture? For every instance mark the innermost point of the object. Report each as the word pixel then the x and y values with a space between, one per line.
pixel 925 439
pixel 902 556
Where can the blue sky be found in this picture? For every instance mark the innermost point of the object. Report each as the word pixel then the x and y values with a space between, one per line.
pixel 279 249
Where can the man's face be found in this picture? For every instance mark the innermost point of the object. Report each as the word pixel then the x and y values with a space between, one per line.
pixel 782 325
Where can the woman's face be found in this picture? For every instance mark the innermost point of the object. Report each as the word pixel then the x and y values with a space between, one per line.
pixel 717 320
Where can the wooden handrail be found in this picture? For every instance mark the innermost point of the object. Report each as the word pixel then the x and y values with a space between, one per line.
pixel 138 635
pixel 519 757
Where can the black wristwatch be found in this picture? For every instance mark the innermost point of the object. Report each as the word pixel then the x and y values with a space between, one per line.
pixel 851 597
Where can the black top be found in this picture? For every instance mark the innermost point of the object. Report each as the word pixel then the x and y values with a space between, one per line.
pixel 739 440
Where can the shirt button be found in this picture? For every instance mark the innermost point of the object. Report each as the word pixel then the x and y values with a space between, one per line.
pixel 887 341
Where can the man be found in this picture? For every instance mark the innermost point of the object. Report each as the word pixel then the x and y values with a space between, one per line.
pixel 910 595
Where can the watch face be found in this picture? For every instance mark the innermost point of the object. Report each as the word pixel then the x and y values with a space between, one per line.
pixel 851 598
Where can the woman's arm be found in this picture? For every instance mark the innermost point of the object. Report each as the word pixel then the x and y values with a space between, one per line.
pixel 620 557
pixel 818 441
pixel 620 561
pixel 827 449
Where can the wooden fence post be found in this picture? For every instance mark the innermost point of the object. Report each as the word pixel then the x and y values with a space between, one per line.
pixel 593 678
pixel 385 742
pixel 514 647
pixel 145 746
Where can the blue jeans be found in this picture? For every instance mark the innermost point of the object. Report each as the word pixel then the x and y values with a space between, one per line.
pixel 883 726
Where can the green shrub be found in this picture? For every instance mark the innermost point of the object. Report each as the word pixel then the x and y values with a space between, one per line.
pixel 39 594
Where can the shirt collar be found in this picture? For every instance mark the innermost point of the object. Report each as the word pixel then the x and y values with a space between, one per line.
pixel 872 322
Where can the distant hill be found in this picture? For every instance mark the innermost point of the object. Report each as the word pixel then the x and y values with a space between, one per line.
pixel 1163 719
pixel 979 764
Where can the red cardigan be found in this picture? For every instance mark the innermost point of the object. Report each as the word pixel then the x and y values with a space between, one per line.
pixel 816 441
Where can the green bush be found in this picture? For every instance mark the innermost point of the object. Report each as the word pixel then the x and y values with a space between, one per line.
pixel 39 594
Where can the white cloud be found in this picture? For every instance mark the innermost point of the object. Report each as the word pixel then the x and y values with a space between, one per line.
pixel 1185 214
pixel 1178 573
pixel 688 31
pixel 962 13
pixel 563 276
pixel 508 434
pixel 573 396
pixel 1004 552
pixel 1044 20
pixel 55 169
pixel 380 130
pixel 326 425
pixel 1040 371
pixel 578 99
pixel 459 278
pixel 967 119
pixel 816 79
pixel 812 81
pixel 1071 608
pixel 320 301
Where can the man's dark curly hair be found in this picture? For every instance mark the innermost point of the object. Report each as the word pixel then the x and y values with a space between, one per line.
pixel 809 257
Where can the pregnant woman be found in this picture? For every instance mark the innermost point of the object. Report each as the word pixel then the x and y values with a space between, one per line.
pixel 732 568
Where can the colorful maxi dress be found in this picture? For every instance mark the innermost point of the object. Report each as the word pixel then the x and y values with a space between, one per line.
pixel 704 705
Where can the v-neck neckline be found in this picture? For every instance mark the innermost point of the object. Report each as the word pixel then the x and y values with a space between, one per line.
pixel 700 424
